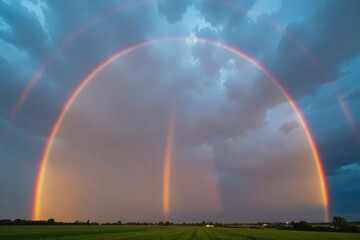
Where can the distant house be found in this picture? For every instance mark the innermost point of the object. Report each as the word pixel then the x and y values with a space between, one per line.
pixel 209 225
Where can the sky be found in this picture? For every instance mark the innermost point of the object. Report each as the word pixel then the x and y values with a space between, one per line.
pixel 193 124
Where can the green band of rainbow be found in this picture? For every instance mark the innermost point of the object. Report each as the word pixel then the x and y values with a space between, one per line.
pixel 36 213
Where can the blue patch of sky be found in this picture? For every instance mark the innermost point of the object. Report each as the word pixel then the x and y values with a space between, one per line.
pixel 4 26
pixel 38 10
pixel 11 53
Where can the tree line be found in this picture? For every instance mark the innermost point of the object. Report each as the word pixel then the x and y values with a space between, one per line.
pixel 52 221
pixel 338 224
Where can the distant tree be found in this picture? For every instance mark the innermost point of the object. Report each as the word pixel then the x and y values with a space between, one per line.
pixel 218 224
pixel 302 225
pixel 50 221
pixel 119 223
pixel 6 222
pixel 340 222
pixel 19 221
pixel 88 222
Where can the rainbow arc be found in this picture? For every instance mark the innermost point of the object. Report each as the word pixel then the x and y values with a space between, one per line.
pixel 37 201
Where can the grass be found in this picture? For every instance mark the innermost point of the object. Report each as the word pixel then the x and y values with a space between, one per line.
pixel 159 233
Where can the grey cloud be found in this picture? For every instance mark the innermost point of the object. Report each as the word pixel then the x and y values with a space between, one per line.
pixel 173 10
pixel 331 27
pixel 289 126
pixel 319 33
pixel 247 90
pixel 228 14
pixel 239 160
pixel 230 20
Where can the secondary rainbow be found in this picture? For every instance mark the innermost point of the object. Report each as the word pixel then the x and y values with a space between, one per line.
pixel 36 213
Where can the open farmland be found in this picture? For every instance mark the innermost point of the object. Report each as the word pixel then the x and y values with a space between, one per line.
pixel 168 233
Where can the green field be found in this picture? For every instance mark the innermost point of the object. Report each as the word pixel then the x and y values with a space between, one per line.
pixel 168 233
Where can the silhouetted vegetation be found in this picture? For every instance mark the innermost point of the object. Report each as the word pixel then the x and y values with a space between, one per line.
pixel 26 222
pixel 339 224
pixel 50 221
pixel 302 225
pixel 342 225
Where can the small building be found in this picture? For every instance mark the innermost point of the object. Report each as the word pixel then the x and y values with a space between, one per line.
pixel 209 225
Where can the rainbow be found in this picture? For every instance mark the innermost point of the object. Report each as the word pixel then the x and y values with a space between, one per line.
pixel 36 213
pixel 167 164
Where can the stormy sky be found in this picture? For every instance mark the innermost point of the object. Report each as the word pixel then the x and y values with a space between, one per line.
pixel 240 153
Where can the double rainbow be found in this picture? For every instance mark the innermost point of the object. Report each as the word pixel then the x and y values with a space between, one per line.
pixel 36 213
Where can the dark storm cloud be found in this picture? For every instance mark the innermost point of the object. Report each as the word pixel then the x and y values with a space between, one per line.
pixel 76 59
pixel 330 36
pixel 231 25
pixel 338 147
pixel 332 26
pixel 345 194
pixel 327 35
pixel 289 126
